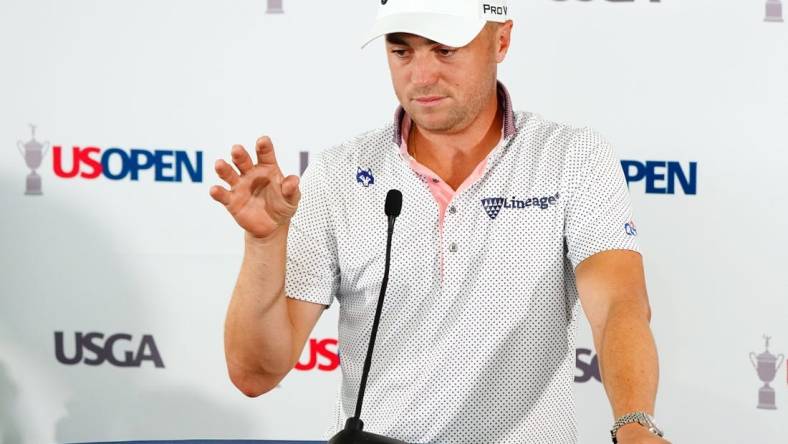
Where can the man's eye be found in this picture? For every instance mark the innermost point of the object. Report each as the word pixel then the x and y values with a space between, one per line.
pixel 446 52
pixel 398 52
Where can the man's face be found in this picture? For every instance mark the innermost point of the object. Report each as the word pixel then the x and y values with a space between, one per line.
pixel 443 89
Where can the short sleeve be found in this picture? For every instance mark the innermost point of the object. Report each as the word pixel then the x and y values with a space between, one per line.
pixel 312 271
pixel 599 211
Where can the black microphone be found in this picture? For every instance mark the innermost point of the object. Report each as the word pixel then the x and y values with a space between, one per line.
pixel 353 432
pixel 393 205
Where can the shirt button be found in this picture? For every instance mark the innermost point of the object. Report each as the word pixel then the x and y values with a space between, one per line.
pixel 453 247
pixel 452 210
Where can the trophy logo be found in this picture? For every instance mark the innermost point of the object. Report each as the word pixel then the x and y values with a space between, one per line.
pixel 766 365
pixel 774 11
pixel 274 7
pixel 33 152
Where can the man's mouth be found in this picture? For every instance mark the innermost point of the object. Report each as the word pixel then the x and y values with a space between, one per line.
pixel 429 100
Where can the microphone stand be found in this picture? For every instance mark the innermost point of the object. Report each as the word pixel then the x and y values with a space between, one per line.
pixel 353 432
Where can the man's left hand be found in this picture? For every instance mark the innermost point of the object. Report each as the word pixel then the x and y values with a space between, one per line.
pixel 637 434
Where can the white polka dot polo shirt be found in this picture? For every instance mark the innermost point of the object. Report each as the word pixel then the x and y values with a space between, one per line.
pixel 476 338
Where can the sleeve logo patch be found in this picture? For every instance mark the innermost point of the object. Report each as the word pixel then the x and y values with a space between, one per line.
pixel 630 228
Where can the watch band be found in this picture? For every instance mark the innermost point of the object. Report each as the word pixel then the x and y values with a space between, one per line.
pixel 641 418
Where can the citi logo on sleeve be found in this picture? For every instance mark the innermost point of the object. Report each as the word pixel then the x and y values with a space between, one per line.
pixel 494 205
pixel 630 228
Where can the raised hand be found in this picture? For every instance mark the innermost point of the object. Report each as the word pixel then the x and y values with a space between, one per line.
pixel 260 198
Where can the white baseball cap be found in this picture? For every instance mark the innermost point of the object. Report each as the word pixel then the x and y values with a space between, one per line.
pixel 453 23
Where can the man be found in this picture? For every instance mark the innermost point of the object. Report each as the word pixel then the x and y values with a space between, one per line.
pixel 508 220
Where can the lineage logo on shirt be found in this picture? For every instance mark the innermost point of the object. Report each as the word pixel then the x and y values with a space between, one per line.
pixel 494 205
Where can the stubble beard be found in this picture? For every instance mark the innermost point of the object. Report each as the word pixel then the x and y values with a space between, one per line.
pixel 457 117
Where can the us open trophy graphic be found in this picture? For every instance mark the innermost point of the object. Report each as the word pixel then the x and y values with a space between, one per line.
pixel 33 152
pixel 766 364
pixel 774 11
pixel 274 7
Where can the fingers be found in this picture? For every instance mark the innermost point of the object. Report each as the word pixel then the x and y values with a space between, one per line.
pixel 290 190
pixel 226 172
pixel 241 158
pixel 265 151
pixel 220 194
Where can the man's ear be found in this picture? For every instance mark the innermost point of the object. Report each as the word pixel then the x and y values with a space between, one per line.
pixel 503 40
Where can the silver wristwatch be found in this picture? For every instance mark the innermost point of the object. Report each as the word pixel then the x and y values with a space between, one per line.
pixel 641 418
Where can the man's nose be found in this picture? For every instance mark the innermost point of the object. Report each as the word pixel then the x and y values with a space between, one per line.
pixel 424 70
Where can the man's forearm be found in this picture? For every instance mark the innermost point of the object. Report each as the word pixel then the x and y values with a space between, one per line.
pixel 628 360
pixel 258 331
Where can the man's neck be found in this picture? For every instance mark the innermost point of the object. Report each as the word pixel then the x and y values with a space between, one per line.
pixel 454 156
